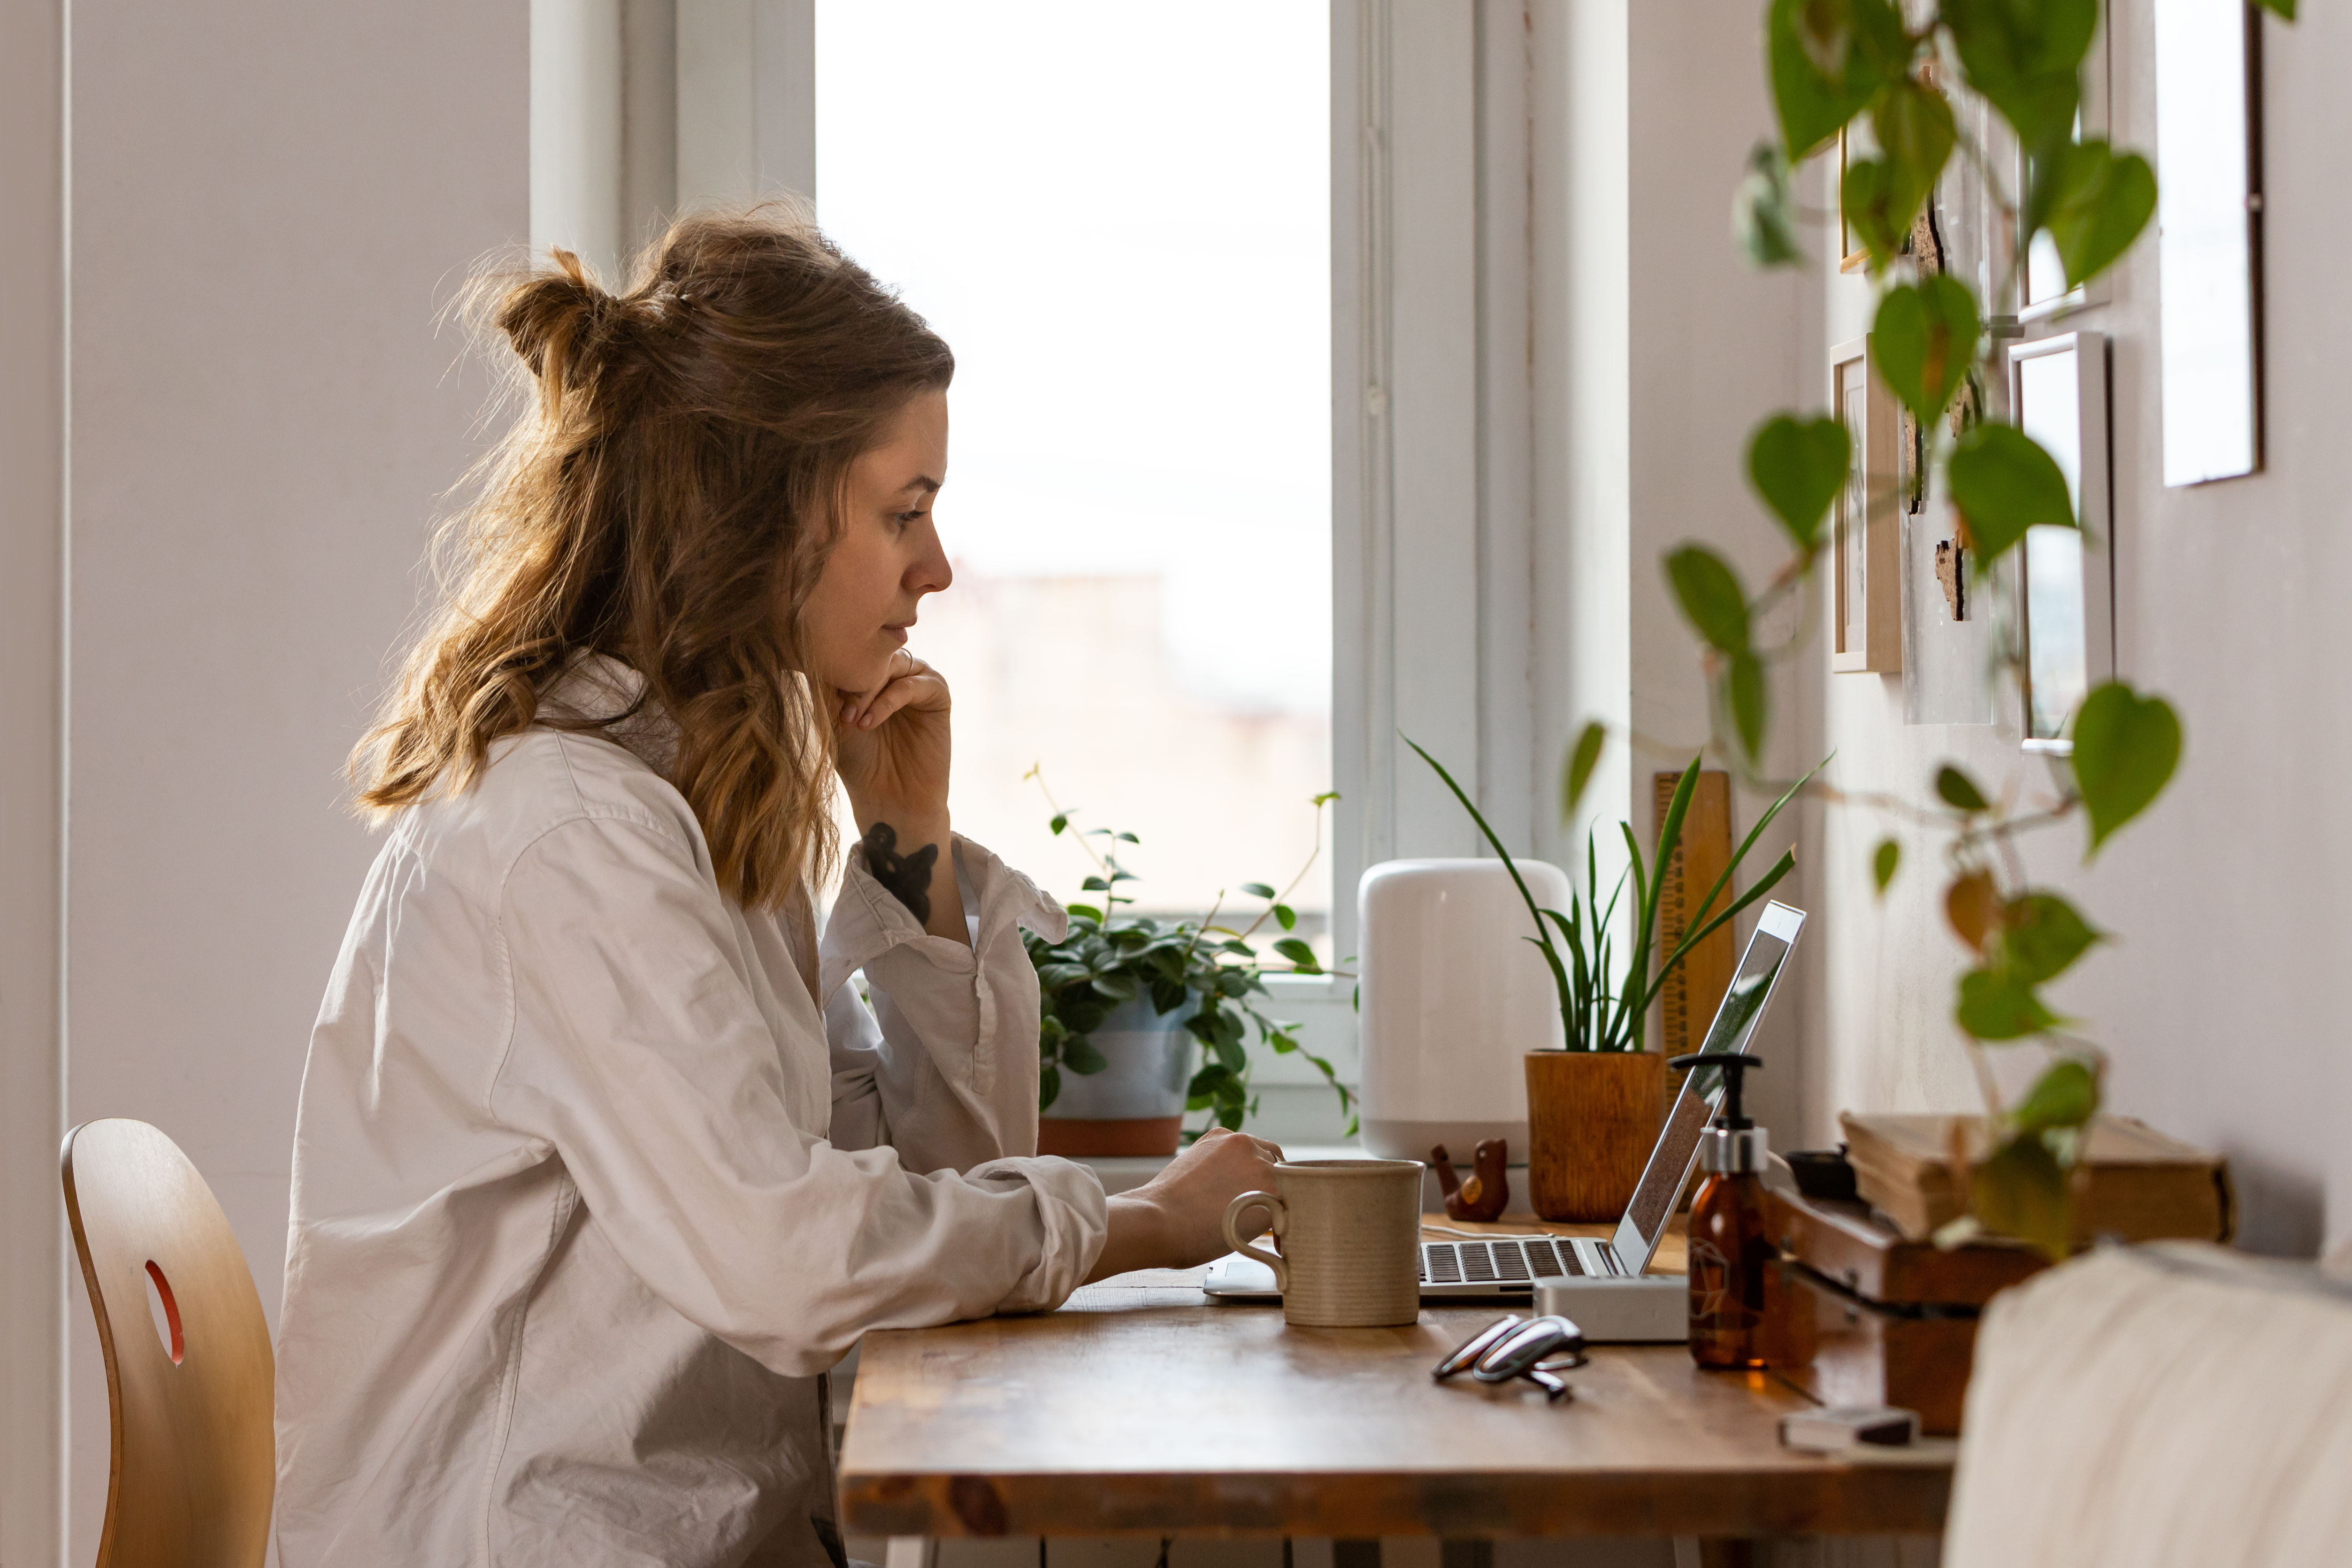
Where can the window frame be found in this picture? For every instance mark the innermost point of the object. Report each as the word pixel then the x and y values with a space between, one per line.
pixel 1432 438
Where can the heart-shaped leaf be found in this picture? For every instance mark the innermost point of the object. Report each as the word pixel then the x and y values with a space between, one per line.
pixel 2097 206
pixel 2042 935
pixel 1744 692
pixel 1996 1005
pixel 1798 467
pixel 1913 125
pixel 2067 1096
pixel 1884 863
pixel 2024 56
pixel 2004 482
pixel 1079 1055
pixel 1972 906
pixel 2282 9
pixel 1827 59
pixel 1959 791
pixel 1924 340
pixel 1581 761
pixel 1878 205
pixel 2022 1191
pixel 2125 748
pixel 1764 211
pixel 1710 596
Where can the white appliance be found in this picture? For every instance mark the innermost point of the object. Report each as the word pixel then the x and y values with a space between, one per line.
pixel 1454 996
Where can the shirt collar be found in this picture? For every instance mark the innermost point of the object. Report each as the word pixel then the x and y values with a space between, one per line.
pixel 599 691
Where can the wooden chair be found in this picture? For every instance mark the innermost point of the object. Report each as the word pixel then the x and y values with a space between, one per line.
pixel 195 1452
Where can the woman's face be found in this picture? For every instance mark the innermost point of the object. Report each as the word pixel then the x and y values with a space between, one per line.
pixel 888 555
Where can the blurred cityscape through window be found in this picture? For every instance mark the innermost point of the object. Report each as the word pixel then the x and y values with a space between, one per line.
pixel 1118 217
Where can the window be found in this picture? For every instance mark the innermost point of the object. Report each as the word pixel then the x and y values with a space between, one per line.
pixel 1119 216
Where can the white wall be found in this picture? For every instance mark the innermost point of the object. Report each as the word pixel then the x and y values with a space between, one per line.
pixel 32 535
pixel 1654 350
pixel 2218 997
pixel 271 201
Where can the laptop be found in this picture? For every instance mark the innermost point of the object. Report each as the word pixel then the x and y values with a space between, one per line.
pixel 1513 1266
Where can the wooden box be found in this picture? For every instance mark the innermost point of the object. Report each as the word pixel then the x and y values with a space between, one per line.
pixel 1861 1316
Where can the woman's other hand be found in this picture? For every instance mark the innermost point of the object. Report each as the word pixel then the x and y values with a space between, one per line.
pixel 1178 1219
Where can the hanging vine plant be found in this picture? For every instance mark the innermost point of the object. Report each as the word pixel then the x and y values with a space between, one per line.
pixel 1835 65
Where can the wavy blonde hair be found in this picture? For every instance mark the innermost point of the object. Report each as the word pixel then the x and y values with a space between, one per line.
pixel 668 498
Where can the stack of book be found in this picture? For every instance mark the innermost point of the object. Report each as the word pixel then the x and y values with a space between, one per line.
pixel 2133 1183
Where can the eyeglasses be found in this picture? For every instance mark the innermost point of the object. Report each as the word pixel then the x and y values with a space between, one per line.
pixel 1536 1349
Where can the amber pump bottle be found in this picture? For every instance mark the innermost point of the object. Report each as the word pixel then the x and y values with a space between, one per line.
pixel 1729 1252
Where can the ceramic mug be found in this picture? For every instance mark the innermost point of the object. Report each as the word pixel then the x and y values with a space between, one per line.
pixel 1350 1233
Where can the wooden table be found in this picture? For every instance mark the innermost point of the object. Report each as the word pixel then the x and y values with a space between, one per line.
pixel 1138 1409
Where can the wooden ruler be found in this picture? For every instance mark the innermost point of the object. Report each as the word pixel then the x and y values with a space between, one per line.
pixel 1687 1002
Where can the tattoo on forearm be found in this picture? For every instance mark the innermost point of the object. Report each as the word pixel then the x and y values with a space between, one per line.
pixel 907 876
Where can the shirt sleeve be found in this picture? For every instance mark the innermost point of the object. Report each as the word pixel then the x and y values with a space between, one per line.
pixel 640 1050
pixel 950 1049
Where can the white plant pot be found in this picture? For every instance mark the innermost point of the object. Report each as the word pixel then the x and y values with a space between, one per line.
pixel 1454 998
pixel 1150 1066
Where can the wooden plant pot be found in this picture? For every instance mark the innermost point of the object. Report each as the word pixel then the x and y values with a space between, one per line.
pixel 1592 1117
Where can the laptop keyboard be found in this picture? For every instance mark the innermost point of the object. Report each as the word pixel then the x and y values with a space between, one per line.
pixel 1505 1264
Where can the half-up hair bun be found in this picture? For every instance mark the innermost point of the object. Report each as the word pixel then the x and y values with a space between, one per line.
pixel 560 320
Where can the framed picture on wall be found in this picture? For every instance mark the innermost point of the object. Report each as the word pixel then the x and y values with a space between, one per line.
pixel 2208 231
pixel 2066 596
pixel 1852 256
pixel 1866 608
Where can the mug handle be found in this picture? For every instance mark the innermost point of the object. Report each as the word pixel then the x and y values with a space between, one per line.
pixel 1277 1214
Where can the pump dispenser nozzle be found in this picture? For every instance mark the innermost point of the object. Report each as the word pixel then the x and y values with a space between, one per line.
pixel 1734 1143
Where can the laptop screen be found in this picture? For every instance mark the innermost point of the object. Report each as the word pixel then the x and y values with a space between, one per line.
pixel 1744 1002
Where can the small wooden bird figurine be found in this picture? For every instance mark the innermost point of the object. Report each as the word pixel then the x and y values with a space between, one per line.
pixel 1487 1192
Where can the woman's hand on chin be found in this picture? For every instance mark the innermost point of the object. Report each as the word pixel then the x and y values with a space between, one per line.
pixel 892 742
pixel 891 749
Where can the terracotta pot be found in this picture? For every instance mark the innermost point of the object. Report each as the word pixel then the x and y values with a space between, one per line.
pixel 1075 1137
pixel 1592 1117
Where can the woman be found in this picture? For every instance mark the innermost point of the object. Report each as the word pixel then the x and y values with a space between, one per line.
pixel 600 1163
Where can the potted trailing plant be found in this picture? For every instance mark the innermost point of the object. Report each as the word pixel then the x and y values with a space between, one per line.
pixel 1126 996
pixel 1594 1108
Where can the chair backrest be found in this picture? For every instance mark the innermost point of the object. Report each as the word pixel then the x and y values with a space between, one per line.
pixel 194 1453
pixel 2172 1406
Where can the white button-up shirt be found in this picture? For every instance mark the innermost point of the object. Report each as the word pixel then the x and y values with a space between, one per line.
pixel 590 1188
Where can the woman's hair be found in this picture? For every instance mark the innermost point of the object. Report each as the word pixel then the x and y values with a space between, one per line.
pixel 668 499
